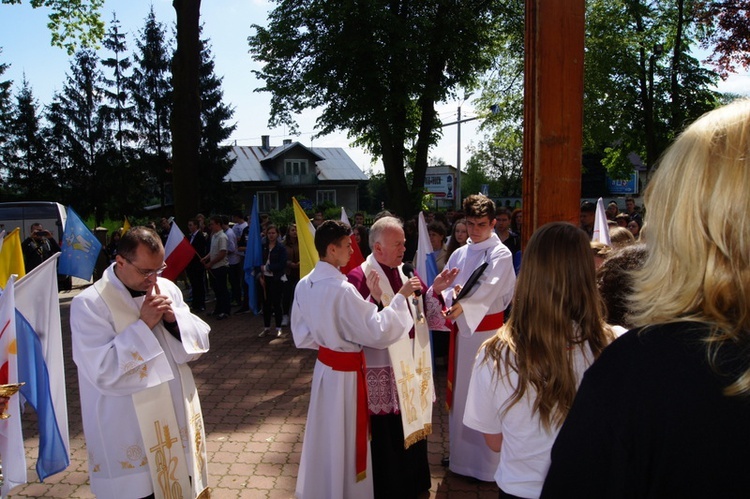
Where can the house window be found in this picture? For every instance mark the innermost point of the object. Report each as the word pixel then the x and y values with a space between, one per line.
pixel 327 196
pixel 295 168
pixel 268 201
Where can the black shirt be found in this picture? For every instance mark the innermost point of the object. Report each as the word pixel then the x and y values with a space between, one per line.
pixel 650 420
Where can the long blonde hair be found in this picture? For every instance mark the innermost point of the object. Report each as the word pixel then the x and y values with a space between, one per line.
pixel 698 233
pixel 556 306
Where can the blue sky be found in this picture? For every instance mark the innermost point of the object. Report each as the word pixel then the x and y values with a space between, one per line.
pixel 24 40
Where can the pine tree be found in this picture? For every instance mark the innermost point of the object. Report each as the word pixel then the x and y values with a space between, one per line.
pixel 30 175
pixel 127 171
pixel 150 88
pixel 86 149
pixel 214 163
pixel 119 109
pixel 5 107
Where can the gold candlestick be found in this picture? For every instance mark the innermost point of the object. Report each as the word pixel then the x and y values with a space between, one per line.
pixel 8 391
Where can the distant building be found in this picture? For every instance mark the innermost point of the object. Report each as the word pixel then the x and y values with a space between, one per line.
pixel 276 174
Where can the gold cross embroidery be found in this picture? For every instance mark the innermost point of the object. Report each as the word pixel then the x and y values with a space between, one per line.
pixel 407 401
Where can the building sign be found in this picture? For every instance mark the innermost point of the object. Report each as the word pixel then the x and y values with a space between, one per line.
pixel 440 186
pixel 627 186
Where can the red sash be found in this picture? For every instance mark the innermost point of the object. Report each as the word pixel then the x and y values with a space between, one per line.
pixel 491 322
pixel 353 362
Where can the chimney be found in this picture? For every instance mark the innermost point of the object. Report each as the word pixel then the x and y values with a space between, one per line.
pixel 287 142
pixel 265 142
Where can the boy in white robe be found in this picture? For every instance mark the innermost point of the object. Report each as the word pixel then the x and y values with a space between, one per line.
pixel 331 316
pixel 133 333
pixel 477 317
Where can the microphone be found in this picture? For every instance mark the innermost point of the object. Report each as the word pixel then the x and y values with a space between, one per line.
pixel 408 269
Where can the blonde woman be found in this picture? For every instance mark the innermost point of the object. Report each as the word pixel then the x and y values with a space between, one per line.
pixel 665 411
pixel 525 378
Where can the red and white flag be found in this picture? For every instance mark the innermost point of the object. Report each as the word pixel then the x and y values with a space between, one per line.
pixel 11 435
pixel 177 253
pixel 356 258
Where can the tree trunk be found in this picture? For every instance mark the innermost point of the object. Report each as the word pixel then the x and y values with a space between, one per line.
pixel 186 125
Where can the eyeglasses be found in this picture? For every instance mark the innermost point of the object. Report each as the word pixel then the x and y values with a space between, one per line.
pixel 147 273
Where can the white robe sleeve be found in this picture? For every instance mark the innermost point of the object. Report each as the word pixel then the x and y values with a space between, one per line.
pixel 332 313
pixel 193 331
pixel 116 364
pixel 366 326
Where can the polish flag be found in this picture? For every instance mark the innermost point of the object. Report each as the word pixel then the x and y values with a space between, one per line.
pixel 356 258
pixel 178 253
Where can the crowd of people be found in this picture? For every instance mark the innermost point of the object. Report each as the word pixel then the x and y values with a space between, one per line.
pixel 618 374
pixel 622 373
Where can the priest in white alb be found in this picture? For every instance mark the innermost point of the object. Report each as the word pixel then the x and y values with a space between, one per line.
pixel 132 337
pixel 329 314
pixel 399 378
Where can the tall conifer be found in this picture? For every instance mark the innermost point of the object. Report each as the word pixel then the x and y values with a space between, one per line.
pixel 150 88
pixel 214 162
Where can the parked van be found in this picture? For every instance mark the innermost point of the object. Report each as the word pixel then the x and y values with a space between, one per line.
pixel 24 213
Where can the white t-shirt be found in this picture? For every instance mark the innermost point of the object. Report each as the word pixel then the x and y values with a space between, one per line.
pixel 525 455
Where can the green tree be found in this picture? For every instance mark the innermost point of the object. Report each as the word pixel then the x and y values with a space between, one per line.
pixel 119 111
pixel 150 88
pixel 5 114
pixel 376 68
pixel 86 148
pixel 72 22
pixel 499 155
pixel 378 196
pixel 29 173
pixel 641 85
pixel 214 160
pixel 475 176
pixel 497 159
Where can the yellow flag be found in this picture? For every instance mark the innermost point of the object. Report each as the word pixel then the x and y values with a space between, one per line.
pixel 11 257
pixel 125 226
pixel 308 255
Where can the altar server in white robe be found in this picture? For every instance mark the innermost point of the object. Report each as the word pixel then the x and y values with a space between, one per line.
pixel 132 336
pixel 476 317
pixel 330 315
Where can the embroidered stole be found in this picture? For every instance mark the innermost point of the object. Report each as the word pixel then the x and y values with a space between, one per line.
pixel 163 439
pixel 411 360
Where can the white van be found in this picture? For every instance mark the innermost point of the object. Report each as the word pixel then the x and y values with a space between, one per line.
pixel 24 213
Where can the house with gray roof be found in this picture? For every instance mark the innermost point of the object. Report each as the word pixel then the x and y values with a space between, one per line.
pixel 276 174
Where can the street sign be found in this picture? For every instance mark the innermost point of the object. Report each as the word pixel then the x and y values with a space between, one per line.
pixel 627 186
pixel 440 186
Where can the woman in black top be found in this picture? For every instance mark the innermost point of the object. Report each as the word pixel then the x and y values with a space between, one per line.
pixel 665 410
pixel 272 271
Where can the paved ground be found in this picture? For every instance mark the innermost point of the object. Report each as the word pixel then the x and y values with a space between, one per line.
pixel 254 392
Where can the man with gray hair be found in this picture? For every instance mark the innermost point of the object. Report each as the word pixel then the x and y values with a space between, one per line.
pixel 394 416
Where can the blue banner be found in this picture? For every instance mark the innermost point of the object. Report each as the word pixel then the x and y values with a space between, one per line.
pixel 253 257
pixel 80 248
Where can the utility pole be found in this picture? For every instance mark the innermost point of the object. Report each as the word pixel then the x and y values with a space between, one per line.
pixel 457 190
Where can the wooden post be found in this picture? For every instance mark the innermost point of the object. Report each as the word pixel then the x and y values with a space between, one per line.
pixel 553 113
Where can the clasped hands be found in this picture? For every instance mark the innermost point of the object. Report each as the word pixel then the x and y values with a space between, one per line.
pixel 156 307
